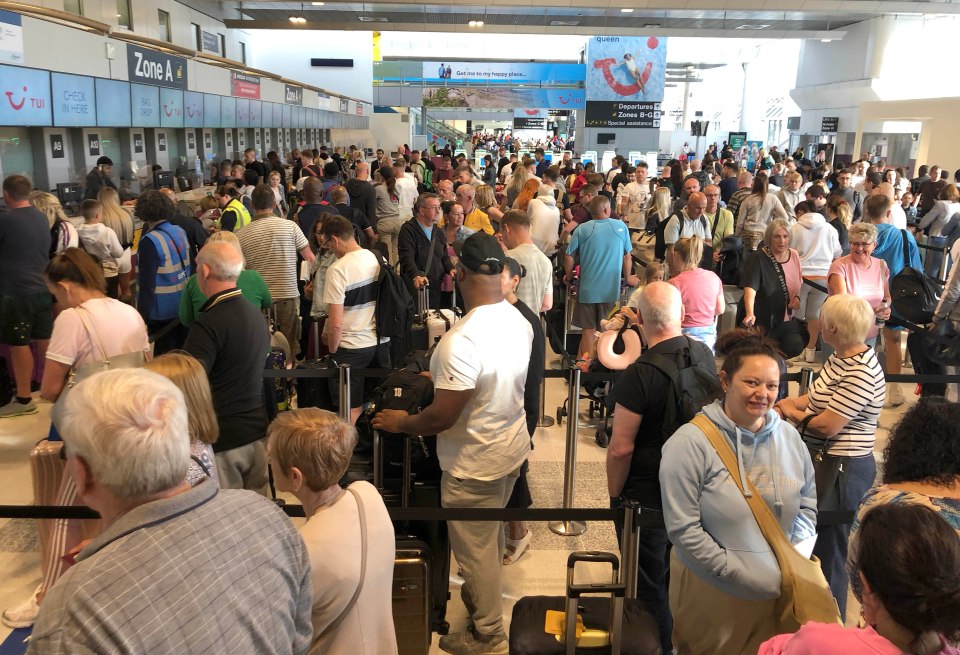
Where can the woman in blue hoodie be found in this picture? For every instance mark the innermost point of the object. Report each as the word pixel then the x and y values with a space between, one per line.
pixel 724 578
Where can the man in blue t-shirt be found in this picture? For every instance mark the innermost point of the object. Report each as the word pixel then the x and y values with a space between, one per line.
pixel 603 245
pixel 889 248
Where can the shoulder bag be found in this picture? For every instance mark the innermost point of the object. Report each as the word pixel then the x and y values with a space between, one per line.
pixel 792 334
pixel 804 593
pixel 914 294
pixel 363 570
pixel 101 362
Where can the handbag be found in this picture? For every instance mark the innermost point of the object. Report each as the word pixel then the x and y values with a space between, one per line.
pixel 80 372
pixel 914 294
pixel 792 334
pixel 804 593
pixel 363 570
pixel 827 471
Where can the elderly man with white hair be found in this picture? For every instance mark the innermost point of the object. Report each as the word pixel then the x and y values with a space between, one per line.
pixel 231 340
pixel 177 569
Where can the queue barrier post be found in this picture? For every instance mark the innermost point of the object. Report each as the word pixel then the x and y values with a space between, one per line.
pixel 806 379
pixel 629 561
pixel 545 421
pixel 570 528
pixel 942 273
pixel 344 406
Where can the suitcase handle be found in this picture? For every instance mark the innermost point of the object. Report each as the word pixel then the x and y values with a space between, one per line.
pixel 593 556
pixel 615 588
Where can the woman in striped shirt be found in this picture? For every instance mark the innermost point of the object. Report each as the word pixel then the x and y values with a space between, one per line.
pixel 844 406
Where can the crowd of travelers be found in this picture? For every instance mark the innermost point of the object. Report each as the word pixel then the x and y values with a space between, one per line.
pixel 153 328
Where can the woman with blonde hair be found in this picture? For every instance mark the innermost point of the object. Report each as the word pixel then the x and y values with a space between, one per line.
pixel 661 207
pixel 839 214
pixel 530 190
pixel 121 222
pixel 756 211
pixel 486 201
pixel 515 184
pixel 701 290
pixel 63 234
pixel 191 378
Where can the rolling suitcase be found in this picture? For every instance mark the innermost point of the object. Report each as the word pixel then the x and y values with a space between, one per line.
pixel 439 322
pixel 419 332
pixel 315 392
pixel 612 625
pixel 412 572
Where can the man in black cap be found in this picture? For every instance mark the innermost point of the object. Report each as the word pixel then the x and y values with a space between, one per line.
pixel 482 439
pixel 98 178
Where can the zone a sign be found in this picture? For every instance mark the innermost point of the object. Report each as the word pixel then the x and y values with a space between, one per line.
pixel 157 68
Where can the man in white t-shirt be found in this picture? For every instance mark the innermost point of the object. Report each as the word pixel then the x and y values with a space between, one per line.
pixel 406 190
pixel 350 294
pixel 482 440
pixel 536 287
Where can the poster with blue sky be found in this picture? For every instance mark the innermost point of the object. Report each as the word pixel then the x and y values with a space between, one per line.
pixel 626 68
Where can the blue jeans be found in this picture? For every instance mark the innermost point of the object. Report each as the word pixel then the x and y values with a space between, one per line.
pixel 705 333
pixel 856 478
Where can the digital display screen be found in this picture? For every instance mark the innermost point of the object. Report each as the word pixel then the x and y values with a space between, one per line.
pixel 113 103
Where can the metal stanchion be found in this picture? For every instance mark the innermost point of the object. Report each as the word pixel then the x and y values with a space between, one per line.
pixel 545 421
pixel 571 528
pixel 631 549
pixel 806 379
pixel 344 391
pixel 942 273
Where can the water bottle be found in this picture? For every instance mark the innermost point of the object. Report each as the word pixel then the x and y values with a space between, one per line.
pixel 881 308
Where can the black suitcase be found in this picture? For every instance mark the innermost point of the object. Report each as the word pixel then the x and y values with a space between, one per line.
pixel 923 365
pixel 315 391
pixel 419 335
pixel 632 630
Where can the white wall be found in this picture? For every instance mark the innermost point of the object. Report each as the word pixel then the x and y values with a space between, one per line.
pixel 288 53
pixel 389 130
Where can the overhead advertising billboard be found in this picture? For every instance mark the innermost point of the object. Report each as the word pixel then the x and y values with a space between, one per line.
pixel 245 86
pixel 626 68
pixel 113 103
pixel 11 37
pixel 24 97
pixel 467 71
pixel 74 101
pixel 499 98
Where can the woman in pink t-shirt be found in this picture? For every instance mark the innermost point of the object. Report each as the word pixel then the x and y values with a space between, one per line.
pixel 863 275
pixel 701 290
pixel 911 591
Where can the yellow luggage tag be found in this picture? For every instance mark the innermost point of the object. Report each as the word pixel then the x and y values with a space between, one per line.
pixel 555 624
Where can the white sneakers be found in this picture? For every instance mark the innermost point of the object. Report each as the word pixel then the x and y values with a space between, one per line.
pixel 894 395
pixel 25 614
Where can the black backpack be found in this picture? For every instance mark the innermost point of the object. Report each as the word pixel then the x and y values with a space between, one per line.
pixel 691 388
pixel 394 312
pixel 914 294
pixel 731 260
pixel 660 245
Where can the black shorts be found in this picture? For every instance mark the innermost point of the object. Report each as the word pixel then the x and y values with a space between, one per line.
pixel 25 318
pixel 371 357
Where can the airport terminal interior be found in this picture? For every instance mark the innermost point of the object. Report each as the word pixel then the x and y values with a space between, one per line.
pixel 854 99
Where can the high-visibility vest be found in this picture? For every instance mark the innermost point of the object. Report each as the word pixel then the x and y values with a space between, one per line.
pixel 243 215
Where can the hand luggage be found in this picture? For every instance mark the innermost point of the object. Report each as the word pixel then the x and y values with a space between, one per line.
pixel 412 571
pixel 315 391
pixel 439 322
pixel 419 331
pixel 629 629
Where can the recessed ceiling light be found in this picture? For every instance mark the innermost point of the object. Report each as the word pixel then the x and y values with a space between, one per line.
pixel 564 23
pixel 751 27
pixel 317 4
pixel 371 19
pixel 825 40
pixel 475 23
pixel 626 10
pixel 298 20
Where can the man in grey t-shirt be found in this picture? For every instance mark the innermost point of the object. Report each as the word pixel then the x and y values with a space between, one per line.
pixel 25 303
pixel 536 287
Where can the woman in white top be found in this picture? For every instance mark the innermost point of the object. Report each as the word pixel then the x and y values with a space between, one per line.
pixel 63 234
pixel 756 211
pixel 544 221
pixel 278 194
pixel 120 221
pixel 348 533
pixel 946 206
pixel 89 322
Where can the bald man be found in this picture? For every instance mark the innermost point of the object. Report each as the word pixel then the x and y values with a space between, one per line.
pixel 445 190
pixel 688 222
pixel 898 217
pixel 362 194
pixel 641 395
pixel 719 218
pixel 196 235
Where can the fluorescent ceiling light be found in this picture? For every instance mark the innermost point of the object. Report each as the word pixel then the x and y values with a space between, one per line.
pixel 298 20
pixel 317 4
pixel 825 40
pixel 564 23
pixel 751 27
pixel 626 10
pixel 371 19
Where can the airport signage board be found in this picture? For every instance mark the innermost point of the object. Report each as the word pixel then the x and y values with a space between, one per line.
pixel 145 105
pixel 474 71
pixel 528 119
pixel 56 146
pixel 626 68
pixel 211 111
pixel 323 101
pixel 24 97
pixel 736 140
pixel 292 95
pixel 113 103
pixel 603 113
pixel 11 37
pixel 156 68
pixel 193 109
pixel 171 107
pixel 829 124
pixel 74 100
pixel 244 85
pixel 344 105
pixel 210 42
pixel 93 144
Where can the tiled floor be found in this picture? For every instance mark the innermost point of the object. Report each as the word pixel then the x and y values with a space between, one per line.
pixel 540 571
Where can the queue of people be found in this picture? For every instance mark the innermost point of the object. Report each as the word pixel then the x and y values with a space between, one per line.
pixel 187 443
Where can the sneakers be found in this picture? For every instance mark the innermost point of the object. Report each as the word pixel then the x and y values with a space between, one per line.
pixel 24 615
pixel 468 643
pixel 13 408
pixel 894 395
